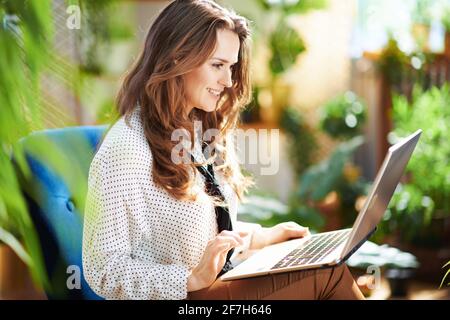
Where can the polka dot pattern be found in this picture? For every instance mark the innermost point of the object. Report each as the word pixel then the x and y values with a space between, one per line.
pixel 138 241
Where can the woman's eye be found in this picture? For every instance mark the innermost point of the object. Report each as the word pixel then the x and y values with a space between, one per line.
pixel 220 65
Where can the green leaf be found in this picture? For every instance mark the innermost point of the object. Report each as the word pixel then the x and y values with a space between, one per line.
pixel 304 6
pixel 292 6
pixel 322 178
pixel 428 193
pixel 310 217
pixel 286 45
pixel 10 240
pixel 446 274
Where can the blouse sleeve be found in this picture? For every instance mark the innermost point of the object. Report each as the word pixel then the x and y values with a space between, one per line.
pixel 114 226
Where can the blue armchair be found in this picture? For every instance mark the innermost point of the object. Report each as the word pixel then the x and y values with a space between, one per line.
pixel 57 217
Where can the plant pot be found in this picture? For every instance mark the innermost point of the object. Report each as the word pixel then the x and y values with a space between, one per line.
pixel 432 248
pixel 15 279
pixel 273 99
pixel 330 210
pixel 399 280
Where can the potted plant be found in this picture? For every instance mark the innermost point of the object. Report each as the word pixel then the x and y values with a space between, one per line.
pixel 302 142
pixel 343 116
pixel 333 185
pixel 397 266
pixel 421 201
pixel 393 63
pixel 26 36
pixel 278 47
pixel 263 208
pixel 20 95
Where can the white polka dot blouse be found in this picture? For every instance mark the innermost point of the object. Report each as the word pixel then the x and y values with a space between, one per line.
pixel 138 241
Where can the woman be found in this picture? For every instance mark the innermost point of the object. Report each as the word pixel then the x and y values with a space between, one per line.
pixel 159 228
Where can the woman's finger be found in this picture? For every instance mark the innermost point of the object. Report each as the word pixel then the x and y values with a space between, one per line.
pixel 234 236
pixel 229 241
pixel 296 232
pixel 223 247
pixel 243 234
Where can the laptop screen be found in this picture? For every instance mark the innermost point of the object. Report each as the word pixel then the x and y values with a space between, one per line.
pixel 382 190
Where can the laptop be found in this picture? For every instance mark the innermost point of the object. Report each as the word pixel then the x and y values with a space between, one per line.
pixel 328 249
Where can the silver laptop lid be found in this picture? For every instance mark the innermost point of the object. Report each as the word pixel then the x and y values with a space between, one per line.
pixel 382 190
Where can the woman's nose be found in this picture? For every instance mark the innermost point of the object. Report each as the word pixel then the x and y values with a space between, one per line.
pixel 226 79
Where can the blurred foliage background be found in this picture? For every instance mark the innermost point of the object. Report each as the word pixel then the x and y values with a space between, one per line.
pixel 35 74
pixel 57 76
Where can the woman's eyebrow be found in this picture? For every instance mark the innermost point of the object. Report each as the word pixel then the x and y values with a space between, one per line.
pixel 222 60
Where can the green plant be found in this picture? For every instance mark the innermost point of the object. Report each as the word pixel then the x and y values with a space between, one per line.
pixel 397 266
pixel 315 182
pixel 344 116
pixel 251 111
pixel 446 274
pixel 25 35
pixel 445 17
pixel 265 208
pixel 275 35
pixel 26 57
pixel 421 13
pixel 100 28
pixel 300 139
pixel 424 196
pixel 401 70
pixel 285 43
pixel 382 256
pixel 393 62
pixel 334 174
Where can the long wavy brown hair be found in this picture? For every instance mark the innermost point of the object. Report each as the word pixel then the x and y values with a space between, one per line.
pixel 180 40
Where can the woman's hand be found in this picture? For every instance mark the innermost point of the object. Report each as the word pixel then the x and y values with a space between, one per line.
pixel 213 259
pixel 278 233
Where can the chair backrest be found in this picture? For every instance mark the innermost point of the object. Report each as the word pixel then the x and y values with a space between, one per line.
pixel 57 217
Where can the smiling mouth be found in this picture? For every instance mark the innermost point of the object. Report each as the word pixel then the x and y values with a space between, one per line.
pixel 215 93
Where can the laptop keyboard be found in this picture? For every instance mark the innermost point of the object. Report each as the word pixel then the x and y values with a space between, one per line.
pixel 315 248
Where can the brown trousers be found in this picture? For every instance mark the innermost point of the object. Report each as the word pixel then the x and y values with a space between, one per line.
pixel 331 283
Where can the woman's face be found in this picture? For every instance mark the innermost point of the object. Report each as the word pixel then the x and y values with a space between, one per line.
pixel 205 84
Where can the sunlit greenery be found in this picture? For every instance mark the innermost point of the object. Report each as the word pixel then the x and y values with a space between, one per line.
pixel 343 116
pixel 425 196
pixel 27 57
pixel 25 37
pixel 302 142
pixel 284 41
